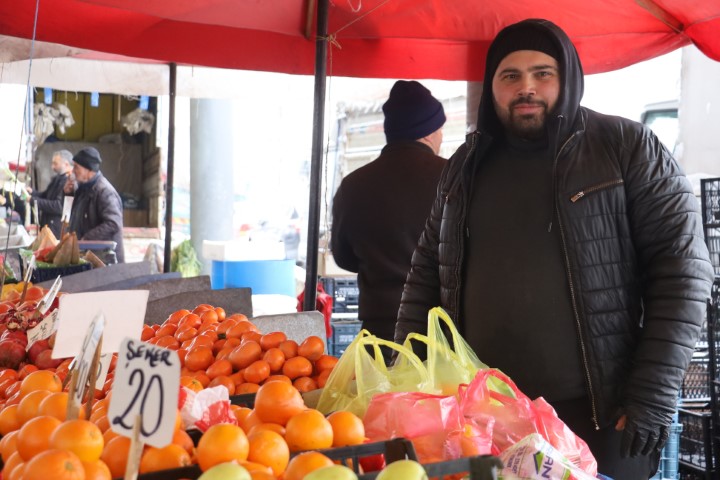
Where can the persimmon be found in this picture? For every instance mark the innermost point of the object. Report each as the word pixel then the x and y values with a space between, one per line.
pixel 246 387
pixel 277 402
pixel 225 325
pixel 239 316
pixel 312 347
pixel 221 443
pixel 176 316
pixel 322 378
pixel 245 354
pixel 34 436
pixel 270 449
pixel 220 313
pixel 209 317
pixel 168 329
pixel 115 455
pixel 325 362
pixel 223 354
pixel 297 367
pixel 238 377
pixel 289 348
pixel 308 430
pixel 199 358
pixel 278 378
pixel 147 333
pixel 219 367
pixel 184 334
pixel 305 384
pixel 272 340
pixel 257 371
pixel 304 463
pixel 182 353
pixel 226 382
pixel 108 435
pixel 275 359
pixel 251 337
pixel 203 307
pixel 201 377
pixel 200 341
pixel 81 437
pixel 348 429
pixel 170 456
pixel 190 320
pixel 239 328
pixel 168 341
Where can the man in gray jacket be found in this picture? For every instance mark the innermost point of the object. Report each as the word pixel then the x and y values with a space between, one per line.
pixel 97 208
pixel 568 247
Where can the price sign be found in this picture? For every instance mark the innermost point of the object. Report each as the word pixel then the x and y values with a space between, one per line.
pixel 67 208
pixel 49 297
pixel 43 329
pixel 146 384
pixel 87 352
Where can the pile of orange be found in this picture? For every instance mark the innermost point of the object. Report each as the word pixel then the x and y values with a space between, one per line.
pixel 216 349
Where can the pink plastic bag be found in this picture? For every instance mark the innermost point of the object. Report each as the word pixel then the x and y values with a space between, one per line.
pixel 515 418
pixel 432 422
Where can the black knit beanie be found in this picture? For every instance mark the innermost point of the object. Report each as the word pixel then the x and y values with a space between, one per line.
pixel 411 112
pixel 89 158
pixel 525 35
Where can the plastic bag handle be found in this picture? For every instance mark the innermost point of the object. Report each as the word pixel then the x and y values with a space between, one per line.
pixel 426 340
pixel 375 342
pixel 439 312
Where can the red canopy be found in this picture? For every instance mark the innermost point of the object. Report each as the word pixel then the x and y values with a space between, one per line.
pixel 443 39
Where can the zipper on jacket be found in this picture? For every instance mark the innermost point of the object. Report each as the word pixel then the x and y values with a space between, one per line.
pixel 573 299
pixel 595 188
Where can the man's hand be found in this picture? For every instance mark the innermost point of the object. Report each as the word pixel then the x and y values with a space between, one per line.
pixel 644 432
pixel 69 187
pixel 28 189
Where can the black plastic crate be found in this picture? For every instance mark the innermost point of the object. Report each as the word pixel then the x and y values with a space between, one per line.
pixel 344 332
pixel 345 293
pixel 352 457
pixel 482 467
pixel 696 382
pixel 696 451
pixel 710 200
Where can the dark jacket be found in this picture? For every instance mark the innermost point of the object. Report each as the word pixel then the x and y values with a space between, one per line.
pixel 97 213
pixel 50 203
pixel 637 266
pixel 379 212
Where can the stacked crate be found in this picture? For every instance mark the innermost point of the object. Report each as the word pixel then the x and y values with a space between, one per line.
pixel 345 323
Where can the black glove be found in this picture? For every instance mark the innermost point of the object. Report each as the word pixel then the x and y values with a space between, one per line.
pixel 645 431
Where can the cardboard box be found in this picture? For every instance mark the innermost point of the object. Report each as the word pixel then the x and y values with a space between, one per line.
pixel 328 268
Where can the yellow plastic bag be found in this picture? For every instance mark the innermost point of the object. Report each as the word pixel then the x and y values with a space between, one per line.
pixel 449 364
pixel 359 375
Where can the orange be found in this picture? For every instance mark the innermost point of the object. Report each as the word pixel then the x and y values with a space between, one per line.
pixel 167 457
pixel 348 428
pixel 275 358
pixel 257 371
pixel 191 382
pixel 273 427
pixel 108 435
pixel 82 437
pixel 96 470
pixel 29 404
pixel 297 367
pixel 115 455
pixel 249 421
pixel 305 384
pixel 257 475
pixel 9 419
pixel 308 430
pixel 40 380
pixel 304 463
pixel 277 402
pixel 272 340
pixel 221 442
pixel 13 461
pixel 8 445
pixel 182 438
pixel 270 449
pixel 55 465
pixel 34 436
pixel 55 405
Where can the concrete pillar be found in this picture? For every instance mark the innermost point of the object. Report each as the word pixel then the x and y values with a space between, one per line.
pixel 211 173
pixel 474 91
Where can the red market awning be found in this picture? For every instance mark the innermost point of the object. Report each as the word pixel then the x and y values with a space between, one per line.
pixel 439 39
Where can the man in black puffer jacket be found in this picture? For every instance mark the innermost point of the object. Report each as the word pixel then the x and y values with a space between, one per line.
pixel 568 247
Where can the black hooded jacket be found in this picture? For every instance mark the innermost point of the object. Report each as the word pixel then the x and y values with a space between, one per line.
pixel 637 266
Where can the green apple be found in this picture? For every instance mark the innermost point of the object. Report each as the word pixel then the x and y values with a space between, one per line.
pixel 226 471
pixel 403 470
pixel 335 472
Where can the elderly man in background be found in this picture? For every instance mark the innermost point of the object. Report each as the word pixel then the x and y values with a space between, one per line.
pixel 50 201
pixel 97 208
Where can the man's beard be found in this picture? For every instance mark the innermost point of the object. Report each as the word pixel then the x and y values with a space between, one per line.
pixel 528 126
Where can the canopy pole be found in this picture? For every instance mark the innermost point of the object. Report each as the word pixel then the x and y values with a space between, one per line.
pixel 313 229
pixel 170 169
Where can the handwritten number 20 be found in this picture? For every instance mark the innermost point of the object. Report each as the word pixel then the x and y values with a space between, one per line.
pixel 143 391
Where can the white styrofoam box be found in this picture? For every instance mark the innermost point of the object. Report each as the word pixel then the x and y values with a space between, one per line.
pixel 273 304
pixel 242 250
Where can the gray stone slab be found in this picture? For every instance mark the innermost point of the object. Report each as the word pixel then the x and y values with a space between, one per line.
pixel 81 282
pixel 232 300
pixel 297 326
pixel 146 282
pixel 168 286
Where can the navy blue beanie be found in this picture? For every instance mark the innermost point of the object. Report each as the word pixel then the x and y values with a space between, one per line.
pixel 411 112
pixel 89 158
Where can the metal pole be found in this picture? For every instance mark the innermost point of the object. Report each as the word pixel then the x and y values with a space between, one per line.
pixel 170 169
pixel 316 159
